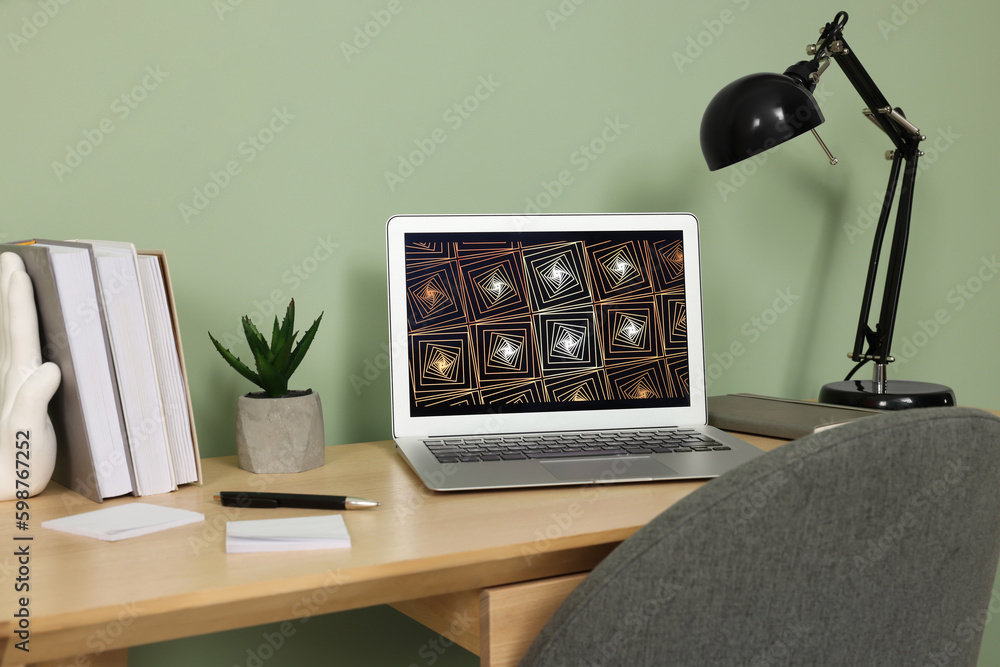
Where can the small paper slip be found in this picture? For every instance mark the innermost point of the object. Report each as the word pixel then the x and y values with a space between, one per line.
pixel 124 521
pixel 296 534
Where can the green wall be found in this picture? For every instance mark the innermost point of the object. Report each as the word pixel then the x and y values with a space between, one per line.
pixel 252 141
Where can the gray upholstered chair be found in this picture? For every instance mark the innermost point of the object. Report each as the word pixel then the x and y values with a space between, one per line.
pixel 873 543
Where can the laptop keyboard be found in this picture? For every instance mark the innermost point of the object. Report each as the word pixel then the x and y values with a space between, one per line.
pixel 570 445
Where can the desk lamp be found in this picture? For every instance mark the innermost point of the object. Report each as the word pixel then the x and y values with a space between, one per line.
pixel 760 111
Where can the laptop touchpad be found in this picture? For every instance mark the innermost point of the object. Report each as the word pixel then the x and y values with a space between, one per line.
pixel 608 470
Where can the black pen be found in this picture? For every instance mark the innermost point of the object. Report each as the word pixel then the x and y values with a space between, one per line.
pixel 299 500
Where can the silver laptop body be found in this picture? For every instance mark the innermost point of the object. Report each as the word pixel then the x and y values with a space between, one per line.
pixel 545 350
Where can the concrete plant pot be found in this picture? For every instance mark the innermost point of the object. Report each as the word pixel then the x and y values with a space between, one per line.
pixel 278 435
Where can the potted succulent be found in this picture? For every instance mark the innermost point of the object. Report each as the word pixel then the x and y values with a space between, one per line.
pixel 277 430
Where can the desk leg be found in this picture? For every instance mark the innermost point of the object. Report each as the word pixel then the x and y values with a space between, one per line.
pixel 117 658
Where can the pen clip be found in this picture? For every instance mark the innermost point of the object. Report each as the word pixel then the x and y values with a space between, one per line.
pixel 269 503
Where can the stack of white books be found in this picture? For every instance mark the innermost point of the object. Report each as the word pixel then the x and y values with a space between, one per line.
pixel 122 414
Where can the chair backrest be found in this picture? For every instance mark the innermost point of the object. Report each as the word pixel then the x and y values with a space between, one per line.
pixel 872 543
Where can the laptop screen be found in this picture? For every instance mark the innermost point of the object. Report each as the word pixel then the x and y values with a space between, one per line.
pixel 555 321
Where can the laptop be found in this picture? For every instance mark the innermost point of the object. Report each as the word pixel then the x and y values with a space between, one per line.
pixel 543 350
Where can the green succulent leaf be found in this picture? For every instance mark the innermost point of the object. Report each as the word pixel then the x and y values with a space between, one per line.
pixel 281 332
pixel 235 362
pixel 275 332
pixel 276 361
pixel 272 381
pixel 303 347
pixel 258 346
pixel 284 353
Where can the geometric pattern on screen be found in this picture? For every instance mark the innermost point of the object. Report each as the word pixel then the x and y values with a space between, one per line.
pixel 545 321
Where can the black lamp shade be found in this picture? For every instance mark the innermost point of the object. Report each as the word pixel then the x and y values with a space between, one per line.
pixel 753 114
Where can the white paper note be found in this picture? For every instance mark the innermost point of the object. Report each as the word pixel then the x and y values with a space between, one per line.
pixel 296 534
pixel 124 521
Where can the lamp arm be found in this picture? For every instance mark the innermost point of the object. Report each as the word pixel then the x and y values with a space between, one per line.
pixel 897 257
pixel 864 333
pixel 906 138
pixel 881 110
pixel 833 45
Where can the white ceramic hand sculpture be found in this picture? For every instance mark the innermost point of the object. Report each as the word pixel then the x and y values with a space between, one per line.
pixel 27 440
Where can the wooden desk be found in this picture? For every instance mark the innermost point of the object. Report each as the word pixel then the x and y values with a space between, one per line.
pixel 440 558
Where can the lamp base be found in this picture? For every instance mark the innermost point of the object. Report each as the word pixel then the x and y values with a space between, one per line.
pixel 900 395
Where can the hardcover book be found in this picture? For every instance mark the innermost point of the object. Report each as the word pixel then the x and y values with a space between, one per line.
pixel 135 367
pixel 92 457
pixel 778 417
pixel 171 372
